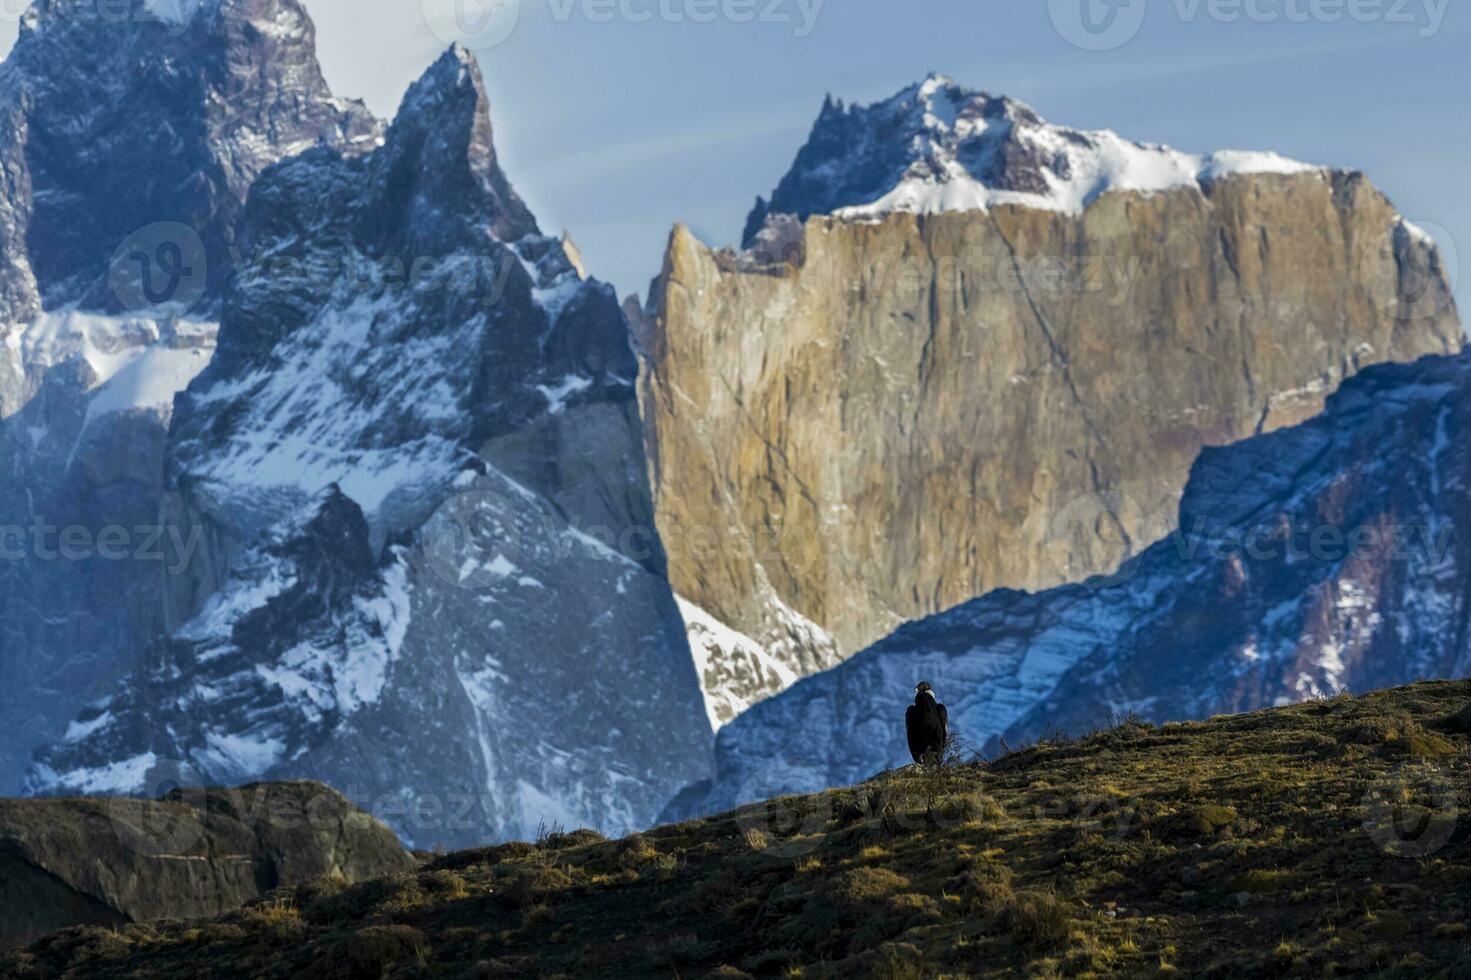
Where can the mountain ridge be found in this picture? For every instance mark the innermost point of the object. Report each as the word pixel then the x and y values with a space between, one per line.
pixel 937 146
pixel 120 158
pixel 1201 301
pixel 398 475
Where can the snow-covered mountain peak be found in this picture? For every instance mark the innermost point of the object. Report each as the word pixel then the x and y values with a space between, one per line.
pixel 128 123
pixel 130 134
pixel 402 311
pixel 443 131
pixel 934 82
pixel 390 320
pixel 939 146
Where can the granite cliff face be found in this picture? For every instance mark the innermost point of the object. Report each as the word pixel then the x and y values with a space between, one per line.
pixel 1328 557
pixel 128 142
pixel 965 349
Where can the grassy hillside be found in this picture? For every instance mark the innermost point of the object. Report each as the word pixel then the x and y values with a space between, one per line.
pixel 1331 838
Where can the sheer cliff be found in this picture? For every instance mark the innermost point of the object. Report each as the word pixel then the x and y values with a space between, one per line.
pixel 965 349
pixel 1323 558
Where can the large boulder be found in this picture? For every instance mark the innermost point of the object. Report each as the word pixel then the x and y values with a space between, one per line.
pixel 69 862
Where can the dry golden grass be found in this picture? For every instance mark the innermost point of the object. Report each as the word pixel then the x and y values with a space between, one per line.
pixel 1326 839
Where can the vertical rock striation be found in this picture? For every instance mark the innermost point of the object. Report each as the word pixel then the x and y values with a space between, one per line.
pixel 1328 557
pixel 965 349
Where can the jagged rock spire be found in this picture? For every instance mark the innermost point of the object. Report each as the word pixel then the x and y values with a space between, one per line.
pixel 118 119
pixel 442 133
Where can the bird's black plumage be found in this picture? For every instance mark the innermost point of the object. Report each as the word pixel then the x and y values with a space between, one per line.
pixel 926 722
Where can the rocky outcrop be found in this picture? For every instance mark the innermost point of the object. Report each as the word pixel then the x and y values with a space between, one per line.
pixel 128 142
pixel 1332 556
pixel 189 854
pixel 118 117
pixel 414 470
pixel 886 406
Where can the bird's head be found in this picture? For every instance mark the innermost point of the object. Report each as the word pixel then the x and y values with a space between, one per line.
pixel 923 688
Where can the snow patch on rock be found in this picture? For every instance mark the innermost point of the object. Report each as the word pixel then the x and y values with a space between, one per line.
pixel 952 150
pixel 132 362
pixel 122 777
pixel 939 147
pixel 735 671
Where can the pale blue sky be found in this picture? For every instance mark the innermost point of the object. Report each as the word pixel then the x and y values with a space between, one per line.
pixel 614 130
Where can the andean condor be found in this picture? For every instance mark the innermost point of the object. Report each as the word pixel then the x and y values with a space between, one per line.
pixel 925 723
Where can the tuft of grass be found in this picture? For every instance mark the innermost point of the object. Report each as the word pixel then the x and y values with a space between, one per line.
pixel 534 885
pixel 558 841
pixel 1211 818
pixel 443 885
pixel 536 915
pixel 863 885
pixel 756 839
pixel 1422 744
pixel 276 920
pixel 371 951
pixel 1036 917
